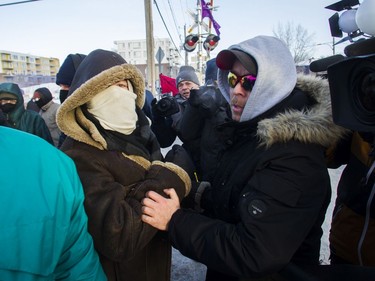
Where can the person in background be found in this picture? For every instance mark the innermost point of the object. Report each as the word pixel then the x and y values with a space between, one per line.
pixel 42 97
pixel 12 105
pixel 205 111
pixel 167 115
pixel 167 126
pixel 264 209
pixel 30 105
pixel 43 229
pixel 147 106
pixel 118 159
pixel 64 79
pixel 210 75
pixel 351 238
pixel 66 73
pixel 352 233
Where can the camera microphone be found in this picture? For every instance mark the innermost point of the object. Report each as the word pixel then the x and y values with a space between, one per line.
pixel 322 64
pixel 360 48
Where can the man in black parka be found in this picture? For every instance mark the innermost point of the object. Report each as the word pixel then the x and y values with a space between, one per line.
pixel 269 195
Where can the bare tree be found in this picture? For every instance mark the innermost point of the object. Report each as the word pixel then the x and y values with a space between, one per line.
pixel 298 40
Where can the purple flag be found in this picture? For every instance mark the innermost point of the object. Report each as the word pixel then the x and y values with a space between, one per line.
pixel 206 12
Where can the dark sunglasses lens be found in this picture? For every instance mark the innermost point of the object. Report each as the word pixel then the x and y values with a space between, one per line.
pixel 247 84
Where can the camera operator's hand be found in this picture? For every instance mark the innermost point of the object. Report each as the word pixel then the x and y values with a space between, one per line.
pixel 207 98
pixel 195 95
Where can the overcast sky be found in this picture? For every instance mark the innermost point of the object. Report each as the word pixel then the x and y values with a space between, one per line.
pixel 56 28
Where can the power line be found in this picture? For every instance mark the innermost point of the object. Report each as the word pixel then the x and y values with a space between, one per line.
pixel 168 17
pixel 183 10
pixel 15 3
pixel 157 7
pixel 174 20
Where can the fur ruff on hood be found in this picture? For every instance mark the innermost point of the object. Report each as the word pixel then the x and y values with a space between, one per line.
pixel 314 125
pixel 70 117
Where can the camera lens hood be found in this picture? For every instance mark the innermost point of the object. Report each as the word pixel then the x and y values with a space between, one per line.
pixel 345 81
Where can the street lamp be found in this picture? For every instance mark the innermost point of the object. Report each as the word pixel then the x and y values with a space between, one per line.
pixel 331 45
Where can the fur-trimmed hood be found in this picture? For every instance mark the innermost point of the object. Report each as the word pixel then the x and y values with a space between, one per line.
pixel 99 70
pixel 313 125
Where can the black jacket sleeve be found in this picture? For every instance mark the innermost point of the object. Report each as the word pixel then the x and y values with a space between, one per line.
pixel 162 128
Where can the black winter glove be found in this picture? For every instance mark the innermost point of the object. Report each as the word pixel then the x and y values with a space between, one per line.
pixel 160 176
pixel 193 200
pixel 207 98
pixel 179 156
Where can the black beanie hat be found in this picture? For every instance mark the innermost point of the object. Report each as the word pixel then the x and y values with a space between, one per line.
pixel 68 69
pixel 187 73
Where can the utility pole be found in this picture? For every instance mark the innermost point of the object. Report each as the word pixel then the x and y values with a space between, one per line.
pixel 150 46
pixel 210 23
pixel 186 53
pixel 200 42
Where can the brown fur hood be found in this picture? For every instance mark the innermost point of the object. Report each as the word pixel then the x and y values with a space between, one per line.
pixel 314 125
pixel 99 70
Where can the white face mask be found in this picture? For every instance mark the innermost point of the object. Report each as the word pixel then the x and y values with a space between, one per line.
pixel 114 108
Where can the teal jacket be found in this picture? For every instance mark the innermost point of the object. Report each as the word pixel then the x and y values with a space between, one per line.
pixel 43 225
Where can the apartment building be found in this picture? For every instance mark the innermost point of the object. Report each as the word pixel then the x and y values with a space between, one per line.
pixel 135 52
pixel 27 70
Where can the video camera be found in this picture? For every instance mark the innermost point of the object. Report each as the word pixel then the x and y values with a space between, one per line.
pixel 166 106
pixel 352 85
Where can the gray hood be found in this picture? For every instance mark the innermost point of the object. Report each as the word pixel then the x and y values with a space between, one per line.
pixel 276 75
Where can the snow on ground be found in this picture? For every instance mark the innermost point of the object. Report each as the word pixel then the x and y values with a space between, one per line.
pixel 324 249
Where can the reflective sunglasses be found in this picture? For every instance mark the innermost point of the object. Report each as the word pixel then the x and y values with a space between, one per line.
pixel 247 81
